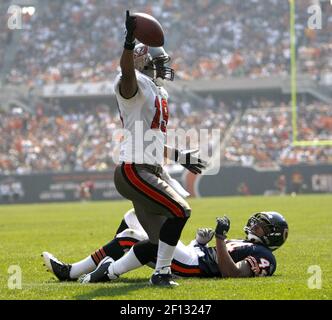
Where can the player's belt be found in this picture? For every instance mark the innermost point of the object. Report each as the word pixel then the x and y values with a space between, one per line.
pixel 155 169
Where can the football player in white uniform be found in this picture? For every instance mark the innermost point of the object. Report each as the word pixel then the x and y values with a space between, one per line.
pixel 143 108
pixel 159 205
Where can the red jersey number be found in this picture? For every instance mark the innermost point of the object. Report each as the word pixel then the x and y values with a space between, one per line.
pixel 160 122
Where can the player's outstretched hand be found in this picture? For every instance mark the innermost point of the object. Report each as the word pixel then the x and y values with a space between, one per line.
pixel 222 228
pixel 130 27
pixel 204 235
pixel 191 161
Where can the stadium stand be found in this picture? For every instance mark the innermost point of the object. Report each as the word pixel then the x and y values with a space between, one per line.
pixel 76 141
pixel 82 42
pixel 264 136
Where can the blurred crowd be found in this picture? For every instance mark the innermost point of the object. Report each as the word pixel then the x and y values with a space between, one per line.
pixel 81 140
pixel 264 136
pixel 54 140
pixel 78 41
pixel 67 142
pixel 5 35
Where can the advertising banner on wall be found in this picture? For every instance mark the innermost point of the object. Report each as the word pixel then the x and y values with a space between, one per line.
pixel 248 181
pixel 62 187
pixel 59 187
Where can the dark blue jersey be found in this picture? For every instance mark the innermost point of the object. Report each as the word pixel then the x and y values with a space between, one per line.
pixel 261 260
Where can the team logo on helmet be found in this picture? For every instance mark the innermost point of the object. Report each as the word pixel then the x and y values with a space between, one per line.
pixel 140 50
pixel 285 234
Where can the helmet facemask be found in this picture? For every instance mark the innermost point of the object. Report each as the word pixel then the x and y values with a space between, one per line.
pixel 269 229
pixel 251 229
pixel 151 62
pixel 163 72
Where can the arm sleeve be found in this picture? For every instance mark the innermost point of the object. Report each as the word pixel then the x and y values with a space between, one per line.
pixel 261 266
pixel 138 99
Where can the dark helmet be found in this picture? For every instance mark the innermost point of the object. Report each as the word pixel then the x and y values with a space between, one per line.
pixel 152 60
pixel 274 226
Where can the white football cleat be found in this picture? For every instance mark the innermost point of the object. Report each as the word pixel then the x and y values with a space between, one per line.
pixel 58 268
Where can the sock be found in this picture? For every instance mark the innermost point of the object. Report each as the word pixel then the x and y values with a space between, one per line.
pixel 114 249
pixel 145 251
pixel 170 231
pixel 127 263
pixel 84 266
pixel 98 255
pixel 164 256
pixel 170 234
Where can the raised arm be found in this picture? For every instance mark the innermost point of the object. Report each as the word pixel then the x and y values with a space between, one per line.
pixel 128 83
pixel 227 267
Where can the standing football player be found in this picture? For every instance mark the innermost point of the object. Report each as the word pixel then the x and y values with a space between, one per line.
pixel 143 109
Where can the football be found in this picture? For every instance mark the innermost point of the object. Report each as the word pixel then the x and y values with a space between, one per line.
pixel 148 30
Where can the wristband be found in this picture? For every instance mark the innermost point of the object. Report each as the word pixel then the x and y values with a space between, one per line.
pixel 129 45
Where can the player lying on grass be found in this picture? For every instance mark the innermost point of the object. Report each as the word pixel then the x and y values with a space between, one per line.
pixel 265 232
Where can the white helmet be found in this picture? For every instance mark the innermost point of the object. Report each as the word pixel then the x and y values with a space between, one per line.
pixel 151 61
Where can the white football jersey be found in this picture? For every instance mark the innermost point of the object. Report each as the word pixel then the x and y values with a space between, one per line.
pixel 144 118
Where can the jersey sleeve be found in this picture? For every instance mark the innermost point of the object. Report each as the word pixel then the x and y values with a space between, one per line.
pixel 260 265
pixel 138 99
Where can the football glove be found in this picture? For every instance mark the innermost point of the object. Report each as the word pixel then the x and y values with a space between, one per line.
pixel 130 28
pixel 204 235
pixel 223 225
pixel 190 161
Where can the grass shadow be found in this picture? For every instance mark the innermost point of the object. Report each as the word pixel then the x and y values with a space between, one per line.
pixel 115 288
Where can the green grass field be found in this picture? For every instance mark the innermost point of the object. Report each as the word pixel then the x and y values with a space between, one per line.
pixel 72 231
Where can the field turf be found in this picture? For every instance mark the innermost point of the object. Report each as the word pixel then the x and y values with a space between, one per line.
pixel 72 231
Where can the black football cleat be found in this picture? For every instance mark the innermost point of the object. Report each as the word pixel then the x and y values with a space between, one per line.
pixel 163 280
pixel 58 268
pixel 102 273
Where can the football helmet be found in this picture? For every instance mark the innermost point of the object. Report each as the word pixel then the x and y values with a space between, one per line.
pixel 151 61
pixel 274 226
